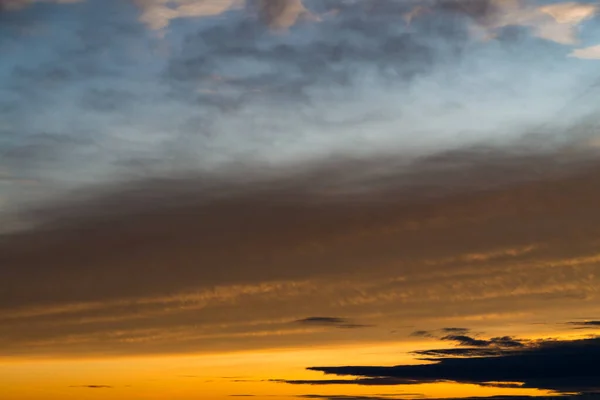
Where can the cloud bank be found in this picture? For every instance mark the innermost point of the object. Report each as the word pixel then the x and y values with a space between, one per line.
pixel 565 366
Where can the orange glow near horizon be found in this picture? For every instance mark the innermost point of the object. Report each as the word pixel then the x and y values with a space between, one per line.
pixel 220 376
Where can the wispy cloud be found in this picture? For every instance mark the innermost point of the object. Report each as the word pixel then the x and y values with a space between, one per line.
pixel 93 386
pixel 586 324
pixel 336 322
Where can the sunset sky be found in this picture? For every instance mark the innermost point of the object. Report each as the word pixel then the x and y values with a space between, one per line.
pixel 299 199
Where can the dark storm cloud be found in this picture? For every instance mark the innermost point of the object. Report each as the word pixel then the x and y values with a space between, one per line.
pixel 562 365
pixel 331 321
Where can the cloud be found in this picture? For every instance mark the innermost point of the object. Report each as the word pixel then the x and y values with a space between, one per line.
pixel 155 306
pixel 331 321
pixel 421 333
pixel 564 366
pixel 347 75
pixel 455 330
pixel 586 324
pixel 12 5
pixel 554 22
pixel 281 14
pixel 590 53
pixel 570 12
pixel 349 397
pixel 417 395
pixel 466 340
pixel 463 340
pixel 566 17
pixel 158 14
pixel 93 386
pixel 435 334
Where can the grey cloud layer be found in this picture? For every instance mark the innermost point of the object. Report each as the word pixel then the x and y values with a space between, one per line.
pixel 99 98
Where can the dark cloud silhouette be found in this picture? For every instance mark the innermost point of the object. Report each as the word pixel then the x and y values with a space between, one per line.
pixel 455 331
pixel 466 340
pixel 405 396
pixel 463 340
pixel 585 324
pixel 374 397
pixel 564 366
pixel 421 333
pixel 461 337
pixel 331 321
pixel 322 320
pixel 360 381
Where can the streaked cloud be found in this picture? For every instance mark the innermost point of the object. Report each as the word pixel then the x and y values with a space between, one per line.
pixel 93 386
pixel 336 322
pixel 166 303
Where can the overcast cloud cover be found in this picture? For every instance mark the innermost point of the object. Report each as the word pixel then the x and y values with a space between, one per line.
pixel 207 175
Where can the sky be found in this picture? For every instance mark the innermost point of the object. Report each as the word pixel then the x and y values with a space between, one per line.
pixel 299 199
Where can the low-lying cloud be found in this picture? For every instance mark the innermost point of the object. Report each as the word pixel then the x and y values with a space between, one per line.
pixel 564 366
